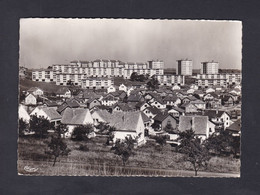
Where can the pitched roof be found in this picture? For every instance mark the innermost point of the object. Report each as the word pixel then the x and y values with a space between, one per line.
pixel 145 118
pixel 134 98
pixel 123 106
pixel 170 98
pixel 50 103
pixel 178 109
pixel 197 123
pixel 32 89
pixel 153 110
pixel 76 116
pixel 214 113
pixel 236 126
pixel 51 112
pixel 162 116
pixel 126 121
pixel 62 90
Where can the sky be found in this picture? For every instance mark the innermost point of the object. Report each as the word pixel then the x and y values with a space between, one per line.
pixel 44 42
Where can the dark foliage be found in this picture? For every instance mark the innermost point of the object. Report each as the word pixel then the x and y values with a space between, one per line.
pixel 81 132
pixel 23 126
pixel 153 83
pixel 57 148
pixel 193 149
pixel 40 126
pixel 124 148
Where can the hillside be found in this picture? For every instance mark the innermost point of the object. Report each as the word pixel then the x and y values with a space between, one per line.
pixel 26 84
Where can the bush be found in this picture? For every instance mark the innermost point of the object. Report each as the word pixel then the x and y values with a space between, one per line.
pixel 83 148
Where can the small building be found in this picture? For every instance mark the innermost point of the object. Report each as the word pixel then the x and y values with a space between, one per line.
pixel 122 87
pixel 111 88
pixel 93 102
pixel 220 118
pixel 165 119
pixel 235 128
pixel 121 107
pixel 64 92
pixel 199 124
pixel 176 112
pixel 23 114
pixel 35 91
pixel 30 99
pixel 47 112
pixel 72 117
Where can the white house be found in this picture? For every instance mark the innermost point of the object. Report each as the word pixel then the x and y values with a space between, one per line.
pixel 125 123
pixel 64 92
pixel 176 87
pixel 35 91
pixel 199 124
pixel 109 100
pixel 129 90
pixel 111 88
pixel 190 91
pixel 73 117
pixel 210 90
pixel 47 112
pixel 195 87
pixel 30 99
pixel 23 114
pixel 122 87
pixel 220 118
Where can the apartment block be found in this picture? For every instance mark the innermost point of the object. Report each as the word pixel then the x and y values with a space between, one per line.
pixel 184 67
pixel 97 82
pixel 170 80
pixel 209 67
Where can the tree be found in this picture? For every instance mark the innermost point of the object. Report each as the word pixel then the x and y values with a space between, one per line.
pixel 193 149
pixel 103 127
pixel 70 83
pixel 133 76
pixel 23 125
pixel 40 126
pixel 156 126
pixel 168 128
pixel 124 148
pixel 81 132
pixel 57 147
pixel 161 139
pixel 220 143
pixel 153 83
pixel 61 129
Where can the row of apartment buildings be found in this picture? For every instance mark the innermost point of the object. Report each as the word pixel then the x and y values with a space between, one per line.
pixel 223 80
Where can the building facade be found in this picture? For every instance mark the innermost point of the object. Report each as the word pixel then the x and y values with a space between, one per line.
pixel 97 82
pixel 78 70
pixel 170 80
pixel 223 80
pixel 209 67
pixel 184 67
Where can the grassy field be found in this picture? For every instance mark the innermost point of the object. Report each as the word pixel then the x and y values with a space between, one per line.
pixel 100 160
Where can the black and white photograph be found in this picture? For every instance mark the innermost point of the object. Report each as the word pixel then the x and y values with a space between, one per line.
pixel 129 97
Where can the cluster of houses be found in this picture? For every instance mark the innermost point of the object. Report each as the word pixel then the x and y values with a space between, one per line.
pixel 137 111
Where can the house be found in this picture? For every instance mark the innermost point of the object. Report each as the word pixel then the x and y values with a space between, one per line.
pixel 30 99
pixel 172 100
pixel 210 96
pixel 165 119
pixel 190 91
pixel 188 99
pixel 125 123
pixel 35 91
pixel 151 112
pixel 220 118
pixel 142 105
pixel 217 88
pixel 50 103
pixel 86 95
pixel 70 103
pixel 122 87
pixel 109 100
pixel 200 93
pixel 235 91
pixel 193 86
pixel 157 102
pixel 235 128
pixel 121 107
pixel 199 104
pixel 64 92
pixel 228 100
pixel 209 90
pixel 73 117
pixel 189 107
pixel 93 102
pixel 135 98
pixel 49 113
pixel 23 114
pixel 199 124
pixel 147 122
pixel 111 88
pixel 176 87
pixel 176 112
